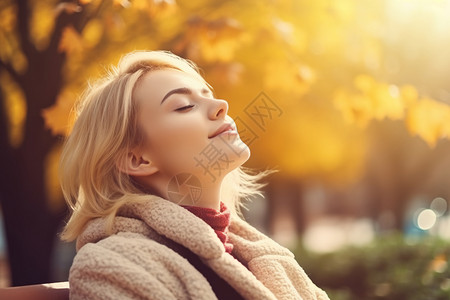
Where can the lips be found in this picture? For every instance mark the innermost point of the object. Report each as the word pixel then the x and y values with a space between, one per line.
pixel 222 129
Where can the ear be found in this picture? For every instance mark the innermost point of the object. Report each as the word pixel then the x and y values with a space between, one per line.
pixel 137 165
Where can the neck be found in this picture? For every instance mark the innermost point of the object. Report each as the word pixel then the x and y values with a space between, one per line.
pixel 209 198
pixel 188 190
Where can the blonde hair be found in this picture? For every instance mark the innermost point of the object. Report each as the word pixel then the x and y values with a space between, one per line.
pixel 105 129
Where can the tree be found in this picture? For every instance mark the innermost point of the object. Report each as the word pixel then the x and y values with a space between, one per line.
pixel 31 223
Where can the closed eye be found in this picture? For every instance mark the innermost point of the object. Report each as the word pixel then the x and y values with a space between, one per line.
pixel 184 107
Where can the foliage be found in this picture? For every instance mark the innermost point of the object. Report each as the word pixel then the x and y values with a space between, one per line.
pixel 391 267
pixel 322 62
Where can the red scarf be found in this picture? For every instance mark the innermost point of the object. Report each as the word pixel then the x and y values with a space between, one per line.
pixel 218 220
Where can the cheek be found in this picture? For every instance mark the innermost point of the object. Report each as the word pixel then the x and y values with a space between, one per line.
pixel 175 144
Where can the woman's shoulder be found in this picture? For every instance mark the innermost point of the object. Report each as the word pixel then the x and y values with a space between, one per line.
pixel 117 247
pixel 122 253
pixel 97 230
pixel 250 243
pixel 131 263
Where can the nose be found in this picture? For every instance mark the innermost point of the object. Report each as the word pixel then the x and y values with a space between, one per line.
pixel 218 109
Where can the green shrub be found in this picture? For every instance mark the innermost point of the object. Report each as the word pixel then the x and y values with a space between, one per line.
pixel 389 268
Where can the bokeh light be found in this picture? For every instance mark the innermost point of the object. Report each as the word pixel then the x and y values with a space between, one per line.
pixel 439 206
pixel 426 219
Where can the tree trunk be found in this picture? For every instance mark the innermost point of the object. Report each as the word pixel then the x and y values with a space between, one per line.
pixel 30 224
pixel 285 201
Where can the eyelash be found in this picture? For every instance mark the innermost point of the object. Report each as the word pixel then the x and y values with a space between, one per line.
pixel 184 107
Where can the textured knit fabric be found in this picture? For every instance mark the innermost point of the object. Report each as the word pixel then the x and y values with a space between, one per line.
pixel 221 288
pixel 218 220
pixel 137 260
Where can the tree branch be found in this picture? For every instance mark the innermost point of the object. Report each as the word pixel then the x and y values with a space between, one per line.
pixel 85 17
pixel 23 17
pixel 63 19
pixel 10 70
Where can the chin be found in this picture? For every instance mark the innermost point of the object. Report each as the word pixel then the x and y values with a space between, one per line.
pixel 247 154
pixel 243 157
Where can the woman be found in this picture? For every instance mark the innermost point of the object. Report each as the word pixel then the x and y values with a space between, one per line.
pixel 152 171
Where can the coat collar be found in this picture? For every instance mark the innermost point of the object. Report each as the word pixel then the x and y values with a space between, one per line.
pixel 174 222
pixel 163 217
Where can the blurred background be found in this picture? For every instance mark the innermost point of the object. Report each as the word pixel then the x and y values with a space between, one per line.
pixel 348 99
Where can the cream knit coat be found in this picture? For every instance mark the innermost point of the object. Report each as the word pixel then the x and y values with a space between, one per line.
pixel 137 262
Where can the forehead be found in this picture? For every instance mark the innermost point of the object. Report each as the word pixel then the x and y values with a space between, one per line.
pixel 156 84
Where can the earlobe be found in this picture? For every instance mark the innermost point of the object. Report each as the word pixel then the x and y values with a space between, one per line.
pixel 137 165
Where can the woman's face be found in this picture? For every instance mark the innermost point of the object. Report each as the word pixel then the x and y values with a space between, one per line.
pixel 186 130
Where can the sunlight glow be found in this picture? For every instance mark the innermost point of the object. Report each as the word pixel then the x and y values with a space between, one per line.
pixel 435 10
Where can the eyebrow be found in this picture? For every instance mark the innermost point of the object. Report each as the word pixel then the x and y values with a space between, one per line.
pixel 183 91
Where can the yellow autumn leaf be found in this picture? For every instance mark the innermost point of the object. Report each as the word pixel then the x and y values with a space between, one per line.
pixel 114 27
pixel 218 51
pixel 52 185
pixel 71 41
pixel 19 62
pixel 284 29
pixel 294 37
pixel 359 109
pixel 299 41
pixel 306 75
pixel 409 95
pixel 285 76
pixel 223 28
pixel 210 40
pixel 154 8
pixel 92 33
pixel 41 23
pixel 354 108
pixel 15 107
pixel 364 82
pixel 140 4
pixel 227 74
pixel 122 3
pixel 369 100
pixel 161 8
pixel 428 119
pixel 59 116
pixel 8 18
pixel 218 39
pixel 386 102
